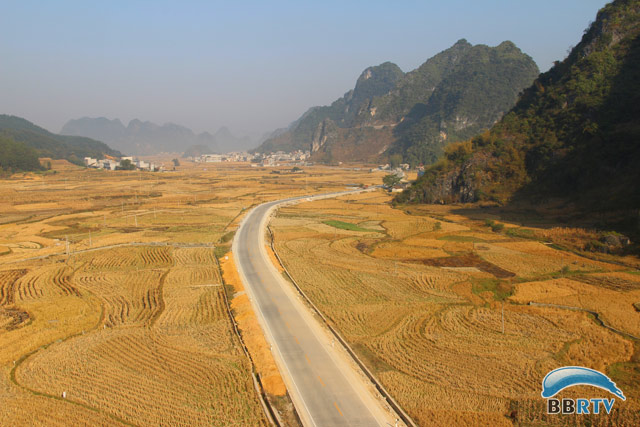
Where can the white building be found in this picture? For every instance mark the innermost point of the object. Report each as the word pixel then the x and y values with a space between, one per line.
pixel 211 158
pixel 141 164
pixel 108 164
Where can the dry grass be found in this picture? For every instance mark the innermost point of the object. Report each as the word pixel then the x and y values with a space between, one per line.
pixel 251 331
pixel 531 259
pixel 434 334
pixel 615 306
pixel 132 333
pixel 142 337
pixel 273 258
pixel 395 250
pixel 568 234
pixel 139 333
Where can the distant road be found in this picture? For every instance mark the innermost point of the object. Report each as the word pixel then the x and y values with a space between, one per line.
pixel 322 383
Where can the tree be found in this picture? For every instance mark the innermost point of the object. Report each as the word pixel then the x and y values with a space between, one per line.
pixel 390 180
pixel 176 162
pixel 395 160
pixel 126 165
pixel 16 156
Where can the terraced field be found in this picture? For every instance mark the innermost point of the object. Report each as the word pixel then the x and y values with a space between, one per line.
pixel 160 349
pixel 420 296
pixel 112 308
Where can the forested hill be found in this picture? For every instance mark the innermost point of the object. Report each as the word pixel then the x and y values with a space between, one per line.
pixel 450 97
pixel 575 133
pixel 22 136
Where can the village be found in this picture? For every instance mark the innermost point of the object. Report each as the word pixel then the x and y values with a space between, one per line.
pixel 126 163
pixel 395 181
pixel 259 159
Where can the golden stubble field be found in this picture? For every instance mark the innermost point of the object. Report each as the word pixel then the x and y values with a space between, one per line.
pixel 419 292
pixel 112 306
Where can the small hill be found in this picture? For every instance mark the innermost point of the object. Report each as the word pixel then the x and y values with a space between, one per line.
pixel 449 98
pixel 573 135
pixel 226 141
pixel 197 150
pixel 47 144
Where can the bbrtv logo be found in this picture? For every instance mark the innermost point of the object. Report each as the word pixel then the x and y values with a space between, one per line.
pixel 569 376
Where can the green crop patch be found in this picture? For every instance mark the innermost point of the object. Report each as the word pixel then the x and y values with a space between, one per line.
pixel 348 226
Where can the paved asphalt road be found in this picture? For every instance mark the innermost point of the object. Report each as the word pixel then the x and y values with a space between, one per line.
pixel 322 389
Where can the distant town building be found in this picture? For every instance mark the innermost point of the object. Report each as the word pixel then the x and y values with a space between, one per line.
pixel 141 164
pixel 110 164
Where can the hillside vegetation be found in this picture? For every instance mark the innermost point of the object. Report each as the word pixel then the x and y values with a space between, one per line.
pixel 574 133
pixel 449 98
pixel 43 143
pixel 17 157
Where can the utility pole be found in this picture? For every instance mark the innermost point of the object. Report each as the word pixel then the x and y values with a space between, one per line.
pixel 67 246
pixel 136 218
pixel 503 317
pixel 90 243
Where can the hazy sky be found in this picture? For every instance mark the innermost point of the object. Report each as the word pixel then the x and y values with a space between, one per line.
pixel 253 66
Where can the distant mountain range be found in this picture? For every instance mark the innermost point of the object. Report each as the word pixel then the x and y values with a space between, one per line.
pixel 573 135
pixel 146 138
pixel 450 97
pixel 21 138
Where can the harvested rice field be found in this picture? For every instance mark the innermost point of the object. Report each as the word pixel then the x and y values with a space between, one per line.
pixel 454 317
pixel 113 310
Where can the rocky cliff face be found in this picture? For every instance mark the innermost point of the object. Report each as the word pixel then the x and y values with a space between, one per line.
pixel 325 131
pixel 450 97
pixel 304 133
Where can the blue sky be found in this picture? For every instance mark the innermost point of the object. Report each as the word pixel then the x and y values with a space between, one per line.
pixel 253 66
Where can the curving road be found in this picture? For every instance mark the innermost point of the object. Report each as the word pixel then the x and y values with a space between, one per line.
pixel 325 389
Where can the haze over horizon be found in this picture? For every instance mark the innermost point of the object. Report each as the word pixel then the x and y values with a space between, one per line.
pixel 249 66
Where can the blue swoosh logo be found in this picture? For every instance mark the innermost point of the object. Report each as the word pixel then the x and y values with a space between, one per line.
pixel 568 376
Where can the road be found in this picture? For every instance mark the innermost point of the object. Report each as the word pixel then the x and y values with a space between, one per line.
pixel 322 382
